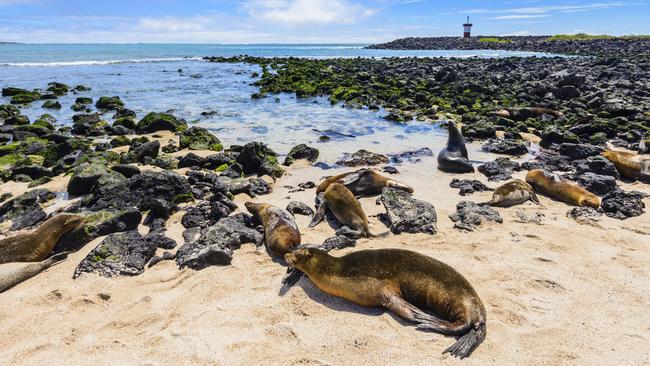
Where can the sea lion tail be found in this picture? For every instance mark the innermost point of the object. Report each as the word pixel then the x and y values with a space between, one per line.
pixel 57 258
pixel 466 344
pixel 399 185
pixel 534 198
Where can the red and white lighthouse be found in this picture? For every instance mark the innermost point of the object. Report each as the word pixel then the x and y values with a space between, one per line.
pixel 467 29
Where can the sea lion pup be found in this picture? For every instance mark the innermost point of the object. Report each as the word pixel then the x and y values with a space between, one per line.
pixel 453 157
pixel 630 165
pixel 560 188
pixel 513 193
pixel 281 233
pixel 404 282
pixel 12 274
pixel 347 210
pixel 36 245
pixel 363 182
pixel 527 112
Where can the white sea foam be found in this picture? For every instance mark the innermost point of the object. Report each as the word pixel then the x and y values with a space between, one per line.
pixel 99 62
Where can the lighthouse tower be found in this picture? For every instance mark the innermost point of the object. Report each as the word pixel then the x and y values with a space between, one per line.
pixel 467 29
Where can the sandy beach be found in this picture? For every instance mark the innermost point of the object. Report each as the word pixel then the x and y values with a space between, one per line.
pixel 556 292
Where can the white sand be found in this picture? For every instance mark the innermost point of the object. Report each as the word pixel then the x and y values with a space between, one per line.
pixel 556 293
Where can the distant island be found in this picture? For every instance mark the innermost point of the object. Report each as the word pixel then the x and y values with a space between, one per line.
pixel 1 42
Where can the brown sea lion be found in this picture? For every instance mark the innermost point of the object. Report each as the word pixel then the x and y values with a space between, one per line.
pixel 281 233
pixel 404 282
pixel 630 165
pixel 37 245
pixel 347 210
pixel 560 188
pixel 363 182
pixel 513 193
pixel 12 274
pixel 527 112
pixel 453 157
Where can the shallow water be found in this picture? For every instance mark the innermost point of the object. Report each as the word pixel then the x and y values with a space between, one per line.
pixel 147 78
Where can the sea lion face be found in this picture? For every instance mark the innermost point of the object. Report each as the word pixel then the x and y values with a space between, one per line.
pixel 302 258
pixel 71 222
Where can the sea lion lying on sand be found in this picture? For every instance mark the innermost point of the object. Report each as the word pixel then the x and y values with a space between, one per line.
pixel 281 233
pixel 561 189
pixel 37 245
pixel 453 157
pixel 404 282
pixel 12 274
pixel 513 193
pixel 363 182
pixel 630 165
pixel 347 210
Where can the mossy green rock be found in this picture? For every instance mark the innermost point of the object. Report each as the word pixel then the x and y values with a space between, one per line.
pixel 25 98
pixel 58 88
pixel 198 138
pixel 7 110
pixel 85 176
pixel 84 100
pixel 120 141
pixel 153 122
pixel 301 151
pixel 109 103
pixel 52 104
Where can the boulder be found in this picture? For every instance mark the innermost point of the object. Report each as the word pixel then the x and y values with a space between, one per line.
pixel 139 153
pixel 25 210
pixel 505 147
pixel 499 169
pixel 596 183
pixel 301 151
pixel 257 158
pixel 153 122
pixel 121 254
pixel 580 151
pixel 469 186
pixel 84 178
pixel 198 138
pixel 622 205
pixel 469 215
pixel 217 244
pixel 361 158
pixel 406 214
pixel 109 103
pixel 299 208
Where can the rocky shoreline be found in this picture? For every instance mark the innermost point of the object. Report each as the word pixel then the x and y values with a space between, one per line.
pixel 633 47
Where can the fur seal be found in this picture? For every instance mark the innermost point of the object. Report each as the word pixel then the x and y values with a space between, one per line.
pixel 405 283
pixel 630 165
pixel 453 157
pixel 363 182
pixel 347 210
pixel 37 245
pixel 12 274
pixel 513 193
pixel 560 188
pixel 281 233
pixel 527 112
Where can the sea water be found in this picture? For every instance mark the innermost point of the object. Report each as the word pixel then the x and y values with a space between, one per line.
pixel 175 78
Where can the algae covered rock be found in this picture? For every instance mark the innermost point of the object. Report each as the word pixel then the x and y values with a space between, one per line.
pixel 257 158
pixel 199 138
pixel 109 103
pixel 153 122
pixel 301 151
pixel 406 214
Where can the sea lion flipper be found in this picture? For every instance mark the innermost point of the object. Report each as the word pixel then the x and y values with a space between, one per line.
pixel 292 277
pixel 346 231
pixel 410 312
pixel 534 198
pixel 467 343
pixel 319 216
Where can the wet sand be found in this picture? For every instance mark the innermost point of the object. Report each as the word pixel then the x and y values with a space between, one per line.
pixel 557 293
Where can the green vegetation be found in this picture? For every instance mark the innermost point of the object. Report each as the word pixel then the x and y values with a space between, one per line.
pixel 578 36
pixel 494 40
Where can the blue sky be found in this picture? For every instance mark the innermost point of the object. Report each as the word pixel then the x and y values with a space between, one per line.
pixel 306 21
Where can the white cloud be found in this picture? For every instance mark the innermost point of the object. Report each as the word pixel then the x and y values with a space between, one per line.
pixel 545 9
pixel 519 16
pixel 520 33
pixel 174 24
pixel 307 12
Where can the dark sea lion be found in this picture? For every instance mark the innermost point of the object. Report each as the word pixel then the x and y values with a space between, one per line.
pixel 453 157
pixel 630 165
pixel 281 233
pixel 527 112
pixel 363 182
pixel 347 210
pixel 513 193
pixel 560 188
pixel 404 282
pixel 37 245
pixel 12 274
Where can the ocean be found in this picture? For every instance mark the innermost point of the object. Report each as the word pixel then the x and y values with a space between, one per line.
pixel 173 77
